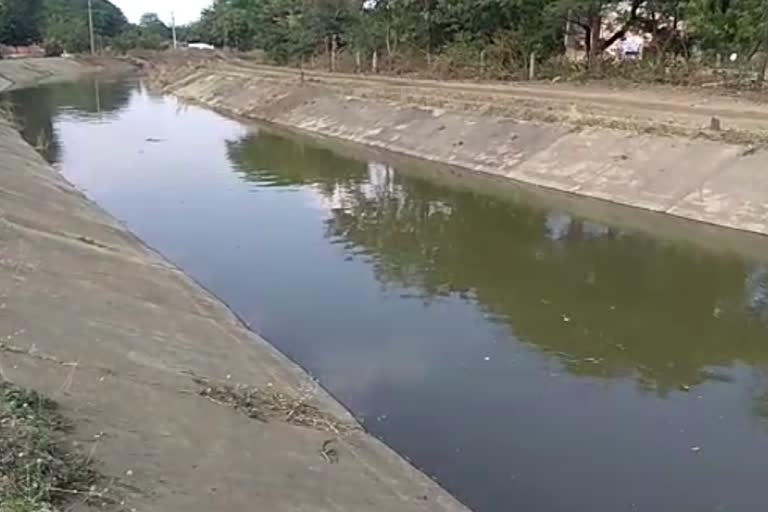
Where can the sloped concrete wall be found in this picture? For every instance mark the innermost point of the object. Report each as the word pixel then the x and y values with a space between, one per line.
pixel 714 182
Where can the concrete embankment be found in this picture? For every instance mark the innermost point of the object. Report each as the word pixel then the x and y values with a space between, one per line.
pixel 27 72
pixel 145 363
pixel 685 174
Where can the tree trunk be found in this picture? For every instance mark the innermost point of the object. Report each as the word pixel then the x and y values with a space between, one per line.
pixel 763 68
pixel 764 58
pixel 595 46
pixel 375 62
pixel 358 62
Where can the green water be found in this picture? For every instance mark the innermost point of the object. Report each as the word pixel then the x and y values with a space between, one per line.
pixel 527 358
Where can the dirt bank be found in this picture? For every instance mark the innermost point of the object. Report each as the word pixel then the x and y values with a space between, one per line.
pixel 180 404
pixel 652 149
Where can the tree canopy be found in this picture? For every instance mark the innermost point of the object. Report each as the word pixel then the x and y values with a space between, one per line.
pixel 66 21
pixel 20 21
pixel 496 34
pixel 504 31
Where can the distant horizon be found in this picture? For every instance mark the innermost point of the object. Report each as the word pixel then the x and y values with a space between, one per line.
pixel 186 11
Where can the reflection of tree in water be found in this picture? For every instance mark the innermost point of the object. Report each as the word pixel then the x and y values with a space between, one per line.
pixel 36 108
pixel 93 96
pixel 760 393
pixel 278 161
pixel 33 110
pixel 756 289
pixel 603 301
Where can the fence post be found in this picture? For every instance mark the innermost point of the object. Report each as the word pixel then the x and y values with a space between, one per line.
pixel 532 67
pixel 334 46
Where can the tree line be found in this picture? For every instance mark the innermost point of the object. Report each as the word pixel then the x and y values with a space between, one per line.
pixel 62 25
pixel 481 36
pixel 502 33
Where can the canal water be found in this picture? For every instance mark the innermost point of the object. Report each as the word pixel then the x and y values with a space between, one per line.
pixel 524 357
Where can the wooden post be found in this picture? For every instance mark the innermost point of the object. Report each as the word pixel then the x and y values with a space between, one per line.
pixel 532 67
pixel 764 58
pixel 334 44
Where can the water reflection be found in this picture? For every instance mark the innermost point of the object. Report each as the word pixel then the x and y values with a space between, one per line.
pixel 604 302
pixel 35 109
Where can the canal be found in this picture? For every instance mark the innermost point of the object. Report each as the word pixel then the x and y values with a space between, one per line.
pixel 526 358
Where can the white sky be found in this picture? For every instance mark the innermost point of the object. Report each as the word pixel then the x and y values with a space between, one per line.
pixel 186 10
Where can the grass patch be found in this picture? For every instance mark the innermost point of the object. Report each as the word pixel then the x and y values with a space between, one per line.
pixel 38 472
pixel 6 112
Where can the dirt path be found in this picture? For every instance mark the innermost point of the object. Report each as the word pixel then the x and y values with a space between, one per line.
pixel 686 110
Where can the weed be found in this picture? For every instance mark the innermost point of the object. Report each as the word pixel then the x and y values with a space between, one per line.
pixel 38 472
pixel 43 143
pixel 7 115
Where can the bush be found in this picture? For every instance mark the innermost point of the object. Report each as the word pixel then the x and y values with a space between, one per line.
pixel 53 48
pixel 461 59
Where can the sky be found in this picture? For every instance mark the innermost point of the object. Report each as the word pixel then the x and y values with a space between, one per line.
pixel 186 10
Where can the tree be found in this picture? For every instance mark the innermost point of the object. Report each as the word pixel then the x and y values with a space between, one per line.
pixel 589 15
pixel 59 22
pixel 151 24
pixel 20 22
pixel 726 26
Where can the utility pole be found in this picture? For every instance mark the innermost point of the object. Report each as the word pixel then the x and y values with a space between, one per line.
pixel 764 59
pixel 173 29
pixel 90 27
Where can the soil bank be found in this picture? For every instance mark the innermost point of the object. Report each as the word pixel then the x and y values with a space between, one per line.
pixel 123 339
pixel 650 151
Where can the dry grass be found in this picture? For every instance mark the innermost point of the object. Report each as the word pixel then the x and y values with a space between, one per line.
pixel 269 404
pixel 6 112
pixel 38 472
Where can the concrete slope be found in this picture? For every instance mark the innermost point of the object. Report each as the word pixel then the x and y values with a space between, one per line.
pixel 23 72
pixel 711 181
pixel 123 340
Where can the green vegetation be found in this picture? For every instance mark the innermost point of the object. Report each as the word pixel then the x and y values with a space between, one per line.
pixel 486 38
pixel 37 469
pixel 20 21
pixel 150 34
pixel 66 22
pixel 63 25
pixel 491 36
